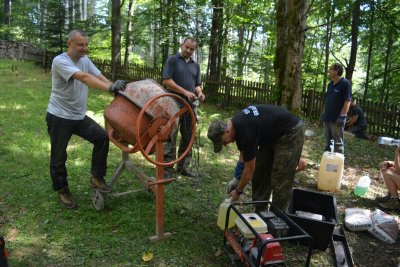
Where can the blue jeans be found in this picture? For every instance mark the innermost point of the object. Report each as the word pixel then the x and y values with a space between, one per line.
pixel 60 131
pixel 335 133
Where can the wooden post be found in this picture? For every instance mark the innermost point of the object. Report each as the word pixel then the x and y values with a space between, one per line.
pixel 310 101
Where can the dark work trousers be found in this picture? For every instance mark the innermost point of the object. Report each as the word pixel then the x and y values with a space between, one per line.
pixel 60 131
pixel 275 168
pixel 359 131
pixel 185 129
pixel 334 132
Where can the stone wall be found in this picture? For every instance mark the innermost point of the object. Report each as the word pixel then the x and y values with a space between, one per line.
pixel 23 51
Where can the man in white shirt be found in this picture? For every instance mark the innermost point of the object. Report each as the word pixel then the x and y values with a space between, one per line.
pixel 72 73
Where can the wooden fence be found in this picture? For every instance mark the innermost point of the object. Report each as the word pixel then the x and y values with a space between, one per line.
pixel 382 119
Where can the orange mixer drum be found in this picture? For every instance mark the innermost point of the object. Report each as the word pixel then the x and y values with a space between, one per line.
pixel 121 115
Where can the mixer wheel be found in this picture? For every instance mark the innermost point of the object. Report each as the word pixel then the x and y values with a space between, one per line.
pixel 98 200
pixel 162 129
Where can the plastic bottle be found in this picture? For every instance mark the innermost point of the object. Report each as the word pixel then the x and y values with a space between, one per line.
pixel 223 208
pixel 362 186
pixel 388 141
pixel 331 171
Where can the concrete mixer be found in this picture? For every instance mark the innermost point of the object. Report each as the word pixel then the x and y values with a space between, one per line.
pixel 141 118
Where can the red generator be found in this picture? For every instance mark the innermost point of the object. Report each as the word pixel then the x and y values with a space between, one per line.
pixel 249 243
pixel 271 255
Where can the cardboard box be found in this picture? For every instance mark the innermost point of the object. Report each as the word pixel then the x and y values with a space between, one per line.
pixel 315 203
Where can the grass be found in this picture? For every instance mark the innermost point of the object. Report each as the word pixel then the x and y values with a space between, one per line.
pixel 39 232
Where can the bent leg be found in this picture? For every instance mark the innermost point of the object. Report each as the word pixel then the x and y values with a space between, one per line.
pixel 95 134
pixel 391 180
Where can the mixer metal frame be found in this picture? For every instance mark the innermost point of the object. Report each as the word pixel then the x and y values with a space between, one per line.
pixel 159 132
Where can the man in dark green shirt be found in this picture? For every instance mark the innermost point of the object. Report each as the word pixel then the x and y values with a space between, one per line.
pixel 270 140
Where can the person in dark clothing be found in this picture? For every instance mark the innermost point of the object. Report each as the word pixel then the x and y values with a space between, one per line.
pixel 270 140
pixel 337 103
pixel 181 75
pixel 356 123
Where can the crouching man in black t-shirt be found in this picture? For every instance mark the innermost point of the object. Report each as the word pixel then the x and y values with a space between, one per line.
pixel 270 140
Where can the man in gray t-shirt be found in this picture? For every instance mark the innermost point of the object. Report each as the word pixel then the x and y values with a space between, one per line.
pixel 72 73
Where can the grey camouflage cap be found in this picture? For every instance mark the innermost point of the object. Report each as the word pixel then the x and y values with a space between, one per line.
pixel 215 131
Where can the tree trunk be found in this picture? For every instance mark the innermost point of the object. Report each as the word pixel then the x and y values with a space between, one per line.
pixel 216 40
pixel 78 9
pixel 371 41
pixel 154 43
pixel 291 23
pixel 387 66
pixel 175 41
pixel 129 34
pixel 84 17
pixel 71 14
pixel 164 27
pixel 354 40
pixel 240 52
pixel 249 46
pixel 328 36
pixel 245 45
pixel 224 53
pixel 7 12
pixel 115 36
pixel 92 8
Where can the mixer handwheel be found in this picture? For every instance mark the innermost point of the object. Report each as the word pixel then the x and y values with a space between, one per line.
pixel 98 200
pixel 164 129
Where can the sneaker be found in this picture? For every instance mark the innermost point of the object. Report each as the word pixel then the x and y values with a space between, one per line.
pixel 65 198
pixel 99 184
pixel 391 204
pixel 383 199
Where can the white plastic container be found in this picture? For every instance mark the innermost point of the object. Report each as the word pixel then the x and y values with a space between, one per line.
pixel 223 209
pixel 362 186
pixel 388 141
pixel 255 221
pixel 330 171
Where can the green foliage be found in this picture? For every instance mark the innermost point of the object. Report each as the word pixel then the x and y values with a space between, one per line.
pixel 250 29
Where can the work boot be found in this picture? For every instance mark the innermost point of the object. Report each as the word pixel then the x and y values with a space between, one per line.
pixel 65 198
pixel 391 204
pixel 99 184
pixel 169 172
pixel 384 198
